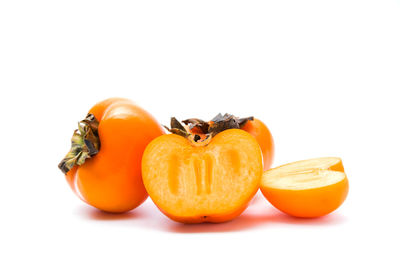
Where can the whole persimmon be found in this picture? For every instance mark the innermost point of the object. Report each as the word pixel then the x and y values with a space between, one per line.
pixel 251 125
pixel 211 178
pixel 307 188
pixel 264 138
pixel 103 166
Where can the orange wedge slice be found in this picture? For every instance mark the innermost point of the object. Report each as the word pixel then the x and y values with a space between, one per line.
pixel 307 188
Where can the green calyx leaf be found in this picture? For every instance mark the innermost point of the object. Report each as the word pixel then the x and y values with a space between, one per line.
pixel 85 143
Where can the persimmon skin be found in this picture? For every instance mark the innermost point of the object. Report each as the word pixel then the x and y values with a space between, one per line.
pixel 309 203
pixel 111 180
pixel 237 180
pixel 264 138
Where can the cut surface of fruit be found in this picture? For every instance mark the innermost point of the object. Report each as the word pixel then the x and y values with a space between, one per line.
pixel 303 180
pixel 308 188
pixel 214 182
pixel 326 163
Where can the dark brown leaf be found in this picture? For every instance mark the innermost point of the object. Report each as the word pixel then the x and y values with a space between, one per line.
pixel 201 125
pixel 242 121
pixel 218 124
pixel 222 123
pixel 175 124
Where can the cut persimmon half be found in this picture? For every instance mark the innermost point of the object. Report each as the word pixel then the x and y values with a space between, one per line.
pixel 211 180
pixel 307 188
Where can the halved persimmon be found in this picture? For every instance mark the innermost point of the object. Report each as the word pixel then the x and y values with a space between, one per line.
pixel 210 180
pixel 308 188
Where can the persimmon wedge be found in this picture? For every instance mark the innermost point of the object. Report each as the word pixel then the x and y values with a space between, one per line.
pixel 210 181
pixel 308 188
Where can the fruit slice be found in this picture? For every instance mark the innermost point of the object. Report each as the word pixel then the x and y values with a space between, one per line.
pixel 307 188
pixel 210 181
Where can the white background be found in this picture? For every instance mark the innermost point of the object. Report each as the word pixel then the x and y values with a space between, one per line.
pixel 323 75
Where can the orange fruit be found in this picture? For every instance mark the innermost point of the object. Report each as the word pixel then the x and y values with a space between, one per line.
pixel 202 181
pixel 308 188
pixel 264 138
pixel 103 166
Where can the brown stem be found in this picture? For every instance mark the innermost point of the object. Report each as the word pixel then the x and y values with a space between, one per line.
pixel 218 124
pixel 85 143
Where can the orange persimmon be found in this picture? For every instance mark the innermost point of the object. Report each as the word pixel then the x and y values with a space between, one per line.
pixel 307 188
pixel 103 166
pixel 195 180
pixel 251 125
pixel 264 138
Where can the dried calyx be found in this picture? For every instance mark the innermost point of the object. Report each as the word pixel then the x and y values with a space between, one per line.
pixel 201 132
pixel 85 143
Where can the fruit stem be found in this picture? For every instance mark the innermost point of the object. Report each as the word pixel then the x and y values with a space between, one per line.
pixel 85 143
pixel 206 129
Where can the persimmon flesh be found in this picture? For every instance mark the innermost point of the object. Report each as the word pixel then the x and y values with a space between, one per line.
pixel 308 188
pixel 210 182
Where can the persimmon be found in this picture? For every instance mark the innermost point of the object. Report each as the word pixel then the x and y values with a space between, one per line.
pixel 308 188
pixel 210 179
pixel 103 166
pixel 251 125
pixel 264 138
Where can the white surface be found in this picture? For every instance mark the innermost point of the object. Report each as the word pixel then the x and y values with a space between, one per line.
pixel 323 75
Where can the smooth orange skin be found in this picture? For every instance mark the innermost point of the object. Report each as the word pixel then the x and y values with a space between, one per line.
pixel 213 217
pixel 264 138
pixel 308 203
pixel 111 180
